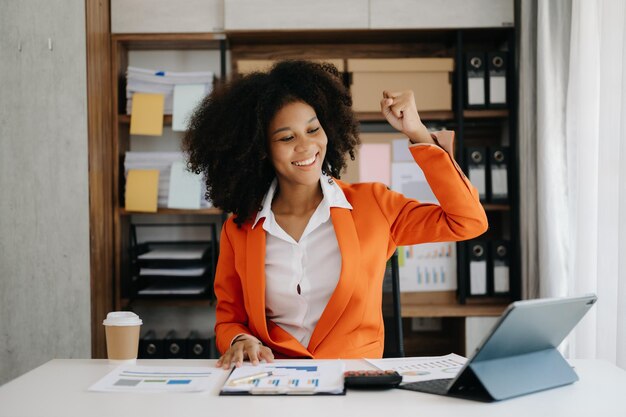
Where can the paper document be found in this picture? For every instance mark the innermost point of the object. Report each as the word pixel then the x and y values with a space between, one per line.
pixel 407 178
pixel 401 152
pixel 185 188
pixel 186 98
pixel 428 267
pixel 287 377
pixel 424 368
pixel 135 379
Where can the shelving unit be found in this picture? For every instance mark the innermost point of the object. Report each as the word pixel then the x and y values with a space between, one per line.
pixel 472 127
pixel 121 45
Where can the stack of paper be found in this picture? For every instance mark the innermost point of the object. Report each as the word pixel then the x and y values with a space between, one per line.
pixel 177 187
pixel 142 80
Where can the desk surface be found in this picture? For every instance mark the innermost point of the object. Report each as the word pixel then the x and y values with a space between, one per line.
pixel 59 388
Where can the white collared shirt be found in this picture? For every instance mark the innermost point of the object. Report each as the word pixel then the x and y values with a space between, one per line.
pixel 300 277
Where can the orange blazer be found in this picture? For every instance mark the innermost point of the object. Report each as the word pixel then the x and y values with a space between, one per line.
pixel 351 325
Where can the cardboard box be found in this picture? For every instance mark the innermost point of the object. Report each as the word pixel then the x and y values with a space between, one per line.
pixel 246 66
pixel 429 78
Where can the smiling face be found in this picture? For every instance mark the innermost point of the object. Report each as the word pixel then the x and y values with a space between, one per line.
pixel 297 144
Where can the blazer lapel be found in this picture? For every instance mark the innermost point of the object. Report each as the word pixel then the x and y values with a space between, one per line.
pixel 255 278
pixel 348 241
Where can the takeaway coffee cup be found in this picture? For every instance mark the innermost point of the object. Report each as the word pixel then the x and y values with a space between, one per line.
pixel 122 334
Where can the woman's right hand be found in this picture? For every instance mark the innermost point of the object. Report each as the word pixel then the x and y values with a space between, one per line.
pixel 246 347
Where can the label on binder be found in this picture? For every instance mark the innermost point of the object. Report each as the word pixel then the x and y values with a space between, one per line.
pixel 477 178
pixel 497 90
pixel 499 186
pixel 501 279
pixel 478 277
pixel 475 91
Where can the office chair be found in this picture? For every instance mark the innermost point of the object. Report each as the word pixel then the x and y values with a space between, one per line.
pixel 394 345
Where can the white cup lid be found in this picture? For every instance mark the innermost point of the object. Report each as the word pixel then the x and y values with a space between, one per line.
pixel 122 318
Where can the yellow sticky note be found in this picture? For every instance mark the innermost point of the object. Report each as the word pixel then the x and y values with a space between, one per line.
pixel 142 190
pixel 146 116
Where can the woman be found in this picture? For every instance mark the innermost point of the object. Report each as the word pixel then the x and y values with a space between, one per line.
pixel 302 260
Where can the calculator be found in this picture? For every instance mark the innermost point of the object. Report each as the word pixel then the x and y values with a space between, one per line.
pixel 368 379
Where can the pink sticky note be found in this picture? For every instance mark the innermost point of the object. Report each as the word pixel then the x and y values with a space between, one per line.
pixel 375 163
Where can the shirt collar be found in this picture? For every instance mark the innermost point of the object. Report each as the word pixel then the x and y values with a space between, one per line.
pixel 333 197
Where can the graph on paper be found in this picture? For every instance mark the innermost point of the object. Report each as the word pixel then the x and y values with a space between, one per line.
pixel 428 267
pixel 323 376
pixel 133 378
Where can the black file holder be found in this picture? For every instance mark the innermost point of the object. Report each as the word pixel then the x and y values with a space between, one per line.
pixel 174 278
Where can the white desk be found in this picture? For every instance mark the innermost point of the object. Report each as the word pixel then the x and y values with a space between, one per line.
pixel 59 388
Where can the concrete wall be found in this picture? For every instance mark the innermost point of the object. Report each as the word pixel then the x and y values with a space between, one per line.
pixel 44 196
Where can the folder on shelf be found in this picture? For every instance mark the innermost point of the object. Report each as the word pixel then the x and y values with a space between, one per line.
pixel 501 261
pixel 477 271
pixel 174 346
pixel 475 80
pixel 497 62
pixel 142 189
pixel 477 170
pixel 185 188
pixel 186 99
pixel 150 347
pixel 498 166
pixel 146 116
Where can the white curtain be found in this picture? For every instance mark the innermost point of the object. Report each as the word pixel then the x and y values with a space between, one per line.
pixel 580 165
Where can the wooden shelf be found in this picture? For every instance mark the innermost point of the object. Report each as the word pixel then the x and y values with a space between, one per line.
pixel 425 115
pixel 496 207
pixel 204 211
pixel 452 310
pixel 125 119
pixel 444 304
pixel 486 114
pixel 372 116
pixel 169 41
pixel 168 302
